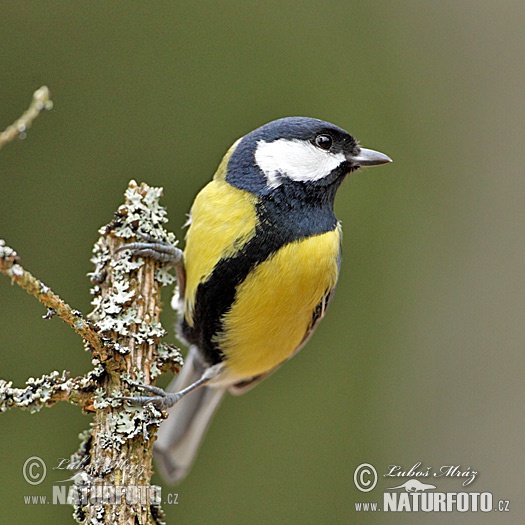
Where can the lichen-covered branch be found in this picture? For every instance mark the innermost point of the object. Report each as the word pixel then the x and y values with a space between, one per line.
pixel 40 102
pixel 10 266
pixel 127 306
pixel 123 333
pixel 47 390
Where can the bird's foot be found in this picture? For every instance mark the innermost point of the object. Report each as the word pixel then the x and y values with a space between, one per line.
pixel 160 398
pixel 149 247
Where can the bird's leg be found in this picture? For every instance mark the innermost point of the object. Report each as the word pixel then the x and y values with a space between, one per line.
pixel 161 251
pixel 164 400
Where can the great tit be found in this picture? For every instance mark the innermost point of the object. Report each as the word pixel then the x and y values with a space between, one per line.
pixel 260 266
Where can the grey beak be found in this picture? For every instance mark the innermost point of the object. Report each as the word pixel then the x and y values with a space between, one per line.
pixel 369 157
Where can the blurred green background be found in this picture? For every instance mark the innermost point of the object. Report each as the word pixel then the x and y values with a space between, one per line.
pixel 421 355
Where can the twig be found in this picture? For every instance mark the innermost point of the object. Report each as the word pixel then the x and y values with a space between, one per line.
pixel 40 102
pixel 47 390
pixel 10 265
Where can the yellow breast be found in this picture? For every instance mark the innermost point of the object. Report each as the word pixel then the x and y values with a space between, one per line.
pixel 274 306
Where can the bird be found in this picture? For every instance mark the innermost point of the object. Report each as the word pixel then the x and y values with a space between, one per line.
pixel 259 268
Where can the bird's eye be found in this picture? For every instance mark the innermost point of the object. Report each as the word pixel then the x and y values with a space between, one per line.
pixel 324 141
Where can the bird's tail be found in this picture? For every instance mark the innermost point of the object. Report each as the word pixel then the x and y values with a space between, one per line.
pixel 180 436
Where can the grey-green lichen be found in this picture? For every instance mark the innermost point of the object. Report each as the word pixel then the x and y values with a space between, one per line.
pixel 163 276
pixel 112 311
pixel 128 423
pixel 154 371
pixel 168 358
pixel 43 391
pixel 7 252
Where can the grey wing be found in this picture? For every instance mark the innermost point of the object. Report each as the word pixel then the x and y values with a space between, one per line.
pixel 317 315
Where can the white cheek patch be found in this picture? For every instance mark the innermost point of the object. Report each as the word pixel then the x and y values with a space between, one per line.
pixel 297 160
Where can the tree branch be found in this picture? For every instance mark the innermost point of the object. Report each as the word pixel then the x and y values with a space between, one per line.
pixel 40 102
pixel 126 310
pixel 47 390
pixel 10 266
pixel 123 333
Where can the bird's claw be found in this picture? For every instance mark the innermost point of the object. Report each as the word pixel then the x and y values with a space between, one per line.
pixel 159 250
pixel 161 399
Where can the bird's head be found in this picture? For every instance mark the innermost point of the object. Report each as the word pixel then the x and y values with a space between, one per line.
pixel 298 151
